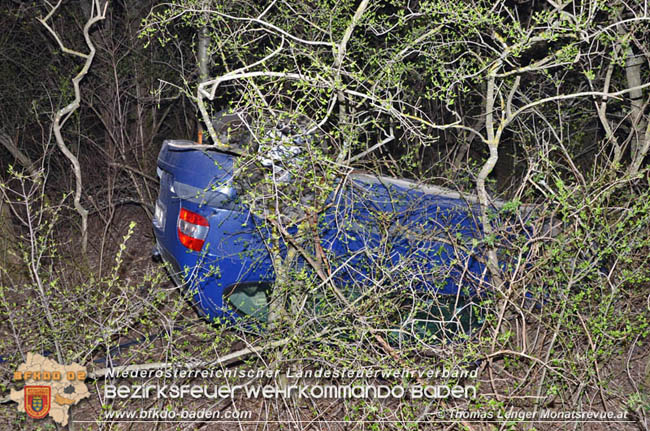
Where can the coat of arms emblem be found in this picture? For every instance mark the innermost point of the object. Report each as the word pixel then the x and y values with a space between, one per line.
pixel 37 401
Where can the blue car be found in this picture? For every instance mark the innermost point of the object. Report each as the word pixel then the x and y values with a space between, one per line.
pixel 218 249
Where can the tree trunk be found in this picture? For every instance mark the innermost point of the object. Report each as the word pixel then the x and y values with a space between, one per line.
pixel 640 133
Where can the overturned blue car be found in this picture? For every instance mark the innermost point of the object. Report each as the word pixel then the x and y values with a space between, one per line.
pixel 375 233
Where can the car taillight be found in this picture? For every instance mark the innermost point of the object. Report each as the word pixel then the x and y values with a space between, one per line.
pixel 192 229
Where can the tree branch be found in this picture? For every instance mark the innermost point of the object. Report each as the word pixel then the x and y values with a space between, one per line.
pixel 60 118
pixel 21 157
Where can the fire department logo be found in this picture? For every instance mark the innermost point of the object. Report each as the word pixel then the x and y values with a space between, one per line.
pixel 37 401
pixel 50 388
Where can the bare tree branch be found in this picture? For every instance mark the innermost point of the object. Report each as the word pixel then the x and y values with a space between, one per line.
pixel 97 14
